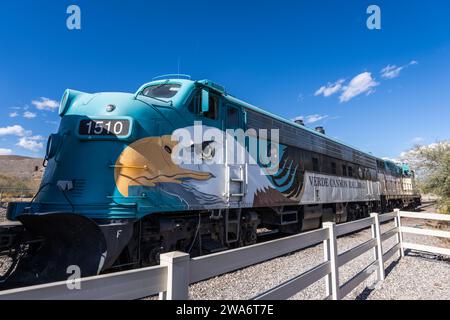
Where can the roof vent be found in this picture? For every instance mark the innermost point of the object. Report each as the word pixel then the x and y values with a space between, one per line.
pixel 320 130
pixel 299 121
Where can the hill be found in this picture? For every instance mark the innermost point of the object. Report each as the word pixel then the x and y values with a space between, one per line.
pixel 17 172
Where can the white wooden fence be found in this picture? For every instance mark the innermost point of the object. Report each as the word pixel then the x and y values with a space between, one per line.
pixel 177 270
pixel 425 232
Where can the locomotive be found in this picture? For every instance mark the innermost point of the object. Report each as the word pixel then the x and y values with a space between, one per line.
pixel 114 195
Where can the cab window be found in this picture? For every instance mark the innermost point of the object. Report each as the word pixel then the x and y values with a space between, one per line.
pixel 213 107
pixel 161 90
pixel 196 103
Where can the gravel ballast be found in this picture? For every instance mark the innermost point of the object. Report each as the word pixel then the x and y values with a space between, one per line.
pixel 4 262
pixel 2 214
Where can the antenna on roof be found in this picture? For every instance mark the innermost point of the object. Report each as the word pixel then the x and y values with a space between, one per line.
pixel 173 76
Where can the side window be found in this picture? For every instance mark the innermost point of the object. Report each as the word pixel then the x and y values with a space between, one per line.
pixel 333 168
pixel 360 173
pixel 307 160
pixel 315 162
pixel 232 118
pixel 213 107
pixel 344 170
pixel 350 171
pixel 367 174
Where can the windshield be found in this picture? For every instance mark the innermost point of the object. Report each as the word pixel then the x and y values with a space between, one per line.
pixel 168 90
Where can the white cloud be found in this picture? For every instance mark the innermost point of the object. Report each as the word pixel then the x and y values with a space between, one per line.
pixel 46 104
pixel 360 84
pixel 311 118
pixel 5 152
pixel 391 159
pixel 315 118
pixel 417 140
pixel 55 123
pixel 31 143
pixel 391 72
pixel 13 114
pixel 37 138
pixel 13 131
pixel 330 88
pixel 29 115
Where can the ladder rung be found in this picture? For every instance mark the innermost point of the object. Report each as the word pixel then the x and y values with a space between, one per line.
pixel 237 180
pixel 237 194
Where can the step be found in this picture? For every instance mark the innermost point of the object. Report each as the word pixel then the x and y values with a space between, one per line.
pixel 237 195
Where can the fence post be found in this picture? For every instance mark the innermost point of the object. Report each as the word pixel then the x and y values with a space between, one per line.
pixel 177 264
pixel 326 258
pixel 398 224
pixel 378 250
pixel 332 281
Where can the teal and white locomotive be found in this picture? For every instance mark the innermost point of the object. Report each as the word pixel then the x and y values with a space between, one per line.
pixel 114 196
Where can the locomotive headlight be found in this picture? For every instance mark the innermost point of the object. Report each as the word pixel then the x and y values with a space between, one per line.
pixel 64 103
pixel 67 100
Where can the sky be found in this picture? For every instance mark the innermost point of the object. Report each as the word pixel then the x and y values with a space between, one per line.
pixel 382 91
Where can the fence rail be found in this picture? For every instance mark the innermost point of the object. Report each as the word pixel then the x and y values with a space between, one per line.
pixel 424 232
pixel 127 285
pixel 219 263
pixel 177 270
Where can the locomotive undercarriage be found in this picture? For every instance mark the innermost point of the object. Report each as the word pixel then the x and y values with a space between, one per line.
pixel 197 233
pixel 206 232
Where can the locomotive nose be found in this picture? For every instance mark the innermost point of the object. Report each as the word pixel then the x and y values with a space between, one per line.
pixel 81 157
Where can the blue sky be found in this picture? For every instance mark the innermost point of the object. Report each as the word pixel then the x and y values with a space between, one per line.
pixel 315 59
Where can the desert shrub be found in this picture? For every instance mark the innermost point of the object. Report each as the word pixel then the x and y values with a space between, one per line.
pixel 432 164
pixel 16 187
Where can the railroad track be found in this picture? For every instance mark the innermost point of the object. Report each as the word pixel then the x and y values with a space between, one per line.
pixel 426 205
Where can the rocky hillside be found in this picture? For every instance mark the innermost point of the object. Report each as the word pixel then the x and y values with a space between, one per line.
pixel 20 172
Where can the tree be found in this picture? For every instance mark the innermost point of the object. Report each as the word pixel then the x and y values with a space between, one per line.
pixel 432 166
